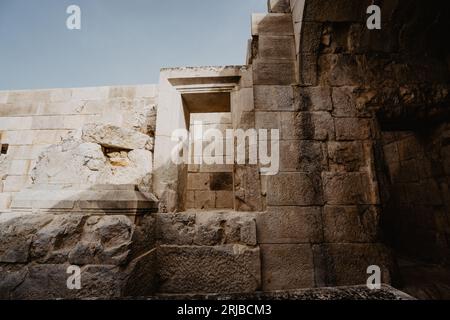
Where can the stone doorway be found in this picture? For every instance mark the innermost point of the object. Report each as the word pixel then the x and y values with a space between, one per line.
pixel 187 95
pixel 209 184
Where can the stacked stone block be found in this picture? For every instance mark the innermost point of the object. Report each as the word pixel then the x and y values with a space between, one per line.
pixel 292 198
pixel 323 206
pixel 368 80
pixel 210 186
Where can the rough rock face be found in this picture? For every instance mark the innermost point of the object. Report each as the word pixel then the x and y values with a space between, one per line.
pixel 116 137
pixel 71 161
pixel 76 161
pixel 77 239
pixel 35 251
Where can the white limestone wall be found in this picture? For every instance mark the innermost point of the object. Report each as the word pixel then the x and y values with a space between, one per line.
pixel 30 121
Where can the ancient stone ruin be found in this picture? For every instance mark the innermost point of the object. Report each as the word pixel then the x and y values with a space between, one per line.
pixel 88 180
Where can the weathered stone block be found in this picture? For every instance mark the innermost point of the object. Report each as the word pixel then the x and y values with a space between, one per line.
pixel 244 120
pixel 287 266
pixel 106 240
pixel 175 228
pixel 278 73
pixel 11 275
pixel 292 189
pixel 224 199
pixel 48 281
pixel 52 243
pixel 198 181
pixel 274 98
pixel 349 102
pixel 279 6
pixel 141 279
pixel 307 126
pixel 205 199
pixel 346 156
pixel 116 137
pixel 272 24
pixel 313 98
pixel 241 100
pixel 289 225
pixel 350 224
pixel 308 69
pixel 354 129
pixel 206 228
pixel 348 189
pixel 225 228
pixel 16 236
pixel 346 264
pixel 302 155
pixel 276 48
pixel 267 120
pixel 247 188
pixel 5 162
pixel 221 269
pixel 42 282
pixel 340 69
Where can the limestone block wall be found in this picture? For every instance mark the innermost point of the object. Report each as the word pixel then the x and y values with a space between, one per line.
pixel 31 121
pixel 320 225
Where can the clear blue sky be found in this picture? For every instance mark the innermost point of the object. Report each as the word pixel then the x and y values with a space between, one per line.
pixel 121 41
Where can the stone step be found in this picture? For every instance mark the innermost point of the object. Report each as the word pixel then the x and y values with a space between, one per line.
pixel 100 199
pixel 277 24
pixel 337 293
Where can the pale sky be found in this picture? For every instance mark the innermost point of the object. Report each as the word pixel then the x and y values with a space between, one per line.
pixel 120 42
